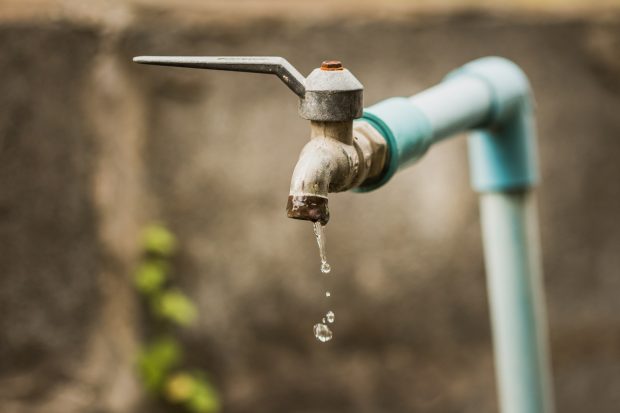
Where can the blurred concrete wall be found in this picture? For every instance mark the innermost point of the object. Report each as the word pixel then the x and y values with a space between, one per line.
pixel 92 147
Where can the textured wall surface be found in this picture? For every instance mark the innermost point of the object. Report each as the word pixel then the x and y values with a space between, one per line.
pixel 92 146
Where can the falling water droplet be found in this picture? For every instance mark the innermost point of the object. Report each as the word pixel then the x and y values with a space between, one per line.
pixel 331 317
pixel 320 240
pixel 322 332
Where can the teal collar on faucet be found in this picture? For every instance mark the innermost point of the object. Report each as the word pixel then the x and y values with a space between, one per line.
pixel 407 131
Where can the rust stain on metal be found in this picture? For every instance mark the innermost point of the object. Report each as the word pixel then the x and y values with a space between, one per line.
pixel 332 65
pixel 308 207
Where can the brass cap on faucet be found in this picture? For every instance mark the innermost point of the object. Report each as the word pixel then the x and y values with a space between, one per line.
pixel 332 65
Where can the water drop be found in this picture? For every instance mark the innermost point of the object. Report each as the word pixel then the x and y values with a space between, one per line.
pixel 331 317
pixel 322 332
pixel 320 240
pixel 328 294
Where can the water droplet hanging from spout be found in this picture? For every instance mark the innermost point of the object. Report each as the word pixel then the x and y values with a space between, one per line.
pixel 320 240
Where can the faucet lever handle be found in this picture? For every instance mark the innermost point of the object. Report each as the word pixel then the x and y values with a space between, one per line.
pixel 254 64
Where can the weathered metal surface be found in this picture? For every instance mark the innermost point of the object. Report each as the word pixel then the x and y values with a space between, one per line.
pixel 308 208
pixel 253 64
pixel 330 93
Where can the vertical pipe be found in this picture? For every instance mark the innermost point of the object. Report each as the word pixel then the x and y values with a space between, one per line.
pixel 515 288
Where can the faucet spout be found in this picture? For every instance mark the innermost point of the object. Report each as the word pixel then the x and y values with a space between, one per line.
pixel 325 165
pixel 338 157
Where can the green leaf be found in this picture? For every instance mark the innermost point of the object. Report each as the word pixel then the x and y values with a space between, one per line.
pixel 157 239
pixel 174 306
pixel 180 387
pixel 204 398
pixel 156 360
pixel 150 276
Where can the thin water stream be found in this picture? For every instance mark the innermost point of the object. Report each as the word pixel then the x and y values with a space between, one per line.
pixel 322 332
pixel 320 240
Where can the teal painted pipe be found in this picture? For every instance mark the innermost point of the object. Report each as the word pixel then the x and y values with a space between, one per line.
pixel 514 278
pixel 491 98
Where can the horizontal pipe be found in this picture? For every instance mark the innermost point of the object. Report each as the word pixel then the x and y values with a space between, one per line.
pixel 490 96
pixel 455 105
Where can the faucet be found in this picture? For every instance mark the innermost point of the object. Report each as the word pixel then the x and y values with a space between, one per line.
pixel 358 149
pixel 341 155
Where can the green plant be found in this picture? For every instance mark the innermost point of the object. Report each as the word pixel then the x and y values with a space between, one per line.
pixel 160 360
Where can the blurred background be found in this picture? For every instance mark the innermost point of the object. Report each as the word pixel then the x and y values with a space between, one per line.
pixel 95 149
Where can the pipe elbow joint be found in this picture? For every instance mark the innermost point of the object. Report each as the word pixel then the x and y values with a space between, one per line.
pixel 502 152
pixel 509 85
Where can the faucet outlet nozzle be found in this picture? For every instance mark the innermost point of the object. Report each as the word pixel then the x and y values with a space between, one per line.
pixel 308 207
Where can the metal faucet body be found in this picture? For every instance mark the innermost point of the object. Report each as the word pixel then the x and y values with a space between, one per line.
pixel 491 99
pixel 338 157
